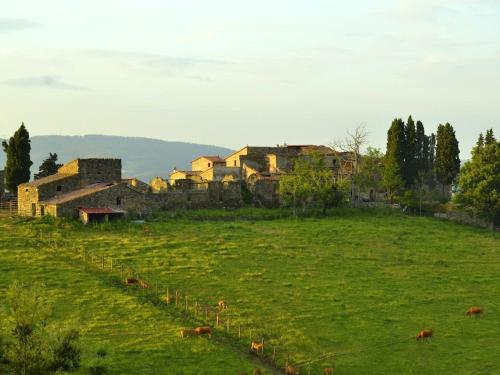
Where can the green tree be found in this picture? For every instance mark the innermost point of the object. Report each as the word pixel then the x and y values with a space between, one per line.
pixel 422 149
pixel 311 181
pixel 48 167
pixel 17 168
pixel 410 168
pixel 394 159
pixel 479 183
pixel 370 175
pixel 29 353
pixel 447 163
pixel 431 182
pixel 32 352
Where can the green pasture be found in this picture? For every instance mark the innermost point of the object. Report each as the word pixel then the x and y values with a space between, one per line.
pixel 350 290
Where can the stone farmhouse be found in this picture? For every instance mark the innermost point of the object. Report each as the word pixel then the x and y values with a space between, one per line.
pixel 78 185
pixel 259 168
pixel 94 189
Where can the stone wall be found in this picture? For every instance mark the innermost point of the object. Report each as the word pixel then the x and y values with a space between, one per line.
pixel 94 170
pixel 29 195
pixel 119 197
pixel 27 200
pixel 100 170
pixel 194 196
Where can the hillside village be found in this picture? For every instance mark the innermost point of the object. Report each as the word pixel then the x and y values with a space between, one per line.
pixel 95 190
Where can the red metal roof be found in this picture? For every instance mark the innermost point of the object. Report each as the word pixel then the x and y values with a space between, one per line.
pixel 99 210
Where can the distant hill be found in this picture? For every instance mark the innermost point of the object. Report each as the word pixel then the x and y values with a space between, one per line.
pixel 143 158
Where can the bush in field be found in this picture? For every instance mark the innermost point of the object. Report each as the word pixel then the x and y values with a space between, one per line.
pixel 99 368
pixel 66 351
pixel 31 350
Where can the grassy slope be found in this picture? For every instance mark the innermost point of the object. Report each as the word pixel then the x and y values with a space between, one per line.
pixel 140 338
pixel 359 285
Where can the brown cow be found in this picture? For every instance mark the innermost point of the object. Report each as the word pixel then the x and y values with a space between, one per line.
pixel 222 304
pixel 328 371
pixel 425 334
pixel 204 331
pixel 257 346
pixel 187 332
pixel 143 284
pixel 290 370
pixel 475 311
pixel 131 281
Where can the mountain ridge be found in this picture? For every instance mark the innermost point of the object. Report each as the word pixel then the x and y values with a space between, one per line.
pixel 142 157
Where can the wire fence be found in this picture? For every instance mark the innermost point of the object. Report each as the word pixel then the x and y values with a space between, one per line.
pixel 226 324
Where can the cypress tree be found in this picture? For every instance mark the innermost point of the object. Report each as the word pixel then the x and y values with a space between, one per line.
pixel 431 161
pixel 490 138
pixel 410 164
pixel 422 147
pixel 394 159
pixel 17 167
pixel 480 141
pixel 447 163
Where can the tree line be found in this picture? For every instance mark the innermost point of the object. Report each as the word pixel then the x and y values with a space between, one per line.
pixel 418 170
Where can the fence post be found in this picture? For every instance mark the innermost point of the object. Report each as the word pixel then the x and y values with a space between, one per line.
pixel 186 303
pixel 274 353
pixel 111 265
pixel 168 297
pixel 217 320
pixel 103 262
pixel 176 297
pixel 239 331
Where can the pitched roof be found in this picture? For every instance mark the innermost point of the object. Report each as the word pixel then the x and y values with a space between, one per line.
pixel 49 179
pixel 90 189
pixel 307 149
pixel 187 173
pixel 99 210
pixel 214 159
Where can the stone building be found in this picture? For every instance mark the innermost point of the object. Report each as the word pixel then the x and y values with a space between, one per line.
pixel 94 190
pixel 81 183
pixel 159 185
pixel 260 168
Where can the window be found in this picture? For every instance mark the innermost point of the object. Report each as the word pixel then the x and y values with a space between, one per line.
pixel 59 188
pixel 235 163
pixel 118 201
pixel 42 210
pixel 209 165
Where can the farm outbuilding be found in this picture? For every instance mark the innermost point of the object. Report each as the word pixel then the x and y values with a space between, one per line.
pixel 98 214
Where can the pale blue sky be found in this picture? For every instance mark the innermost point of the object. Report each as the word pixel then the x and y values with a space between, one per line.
pixel 231 72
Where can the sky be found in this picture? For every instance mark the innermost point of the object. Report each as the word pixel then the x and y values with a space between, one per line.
pixel 260 72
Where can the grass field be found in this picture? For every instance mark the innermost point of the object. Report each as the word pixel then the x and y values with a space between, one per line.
pixel 350 290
